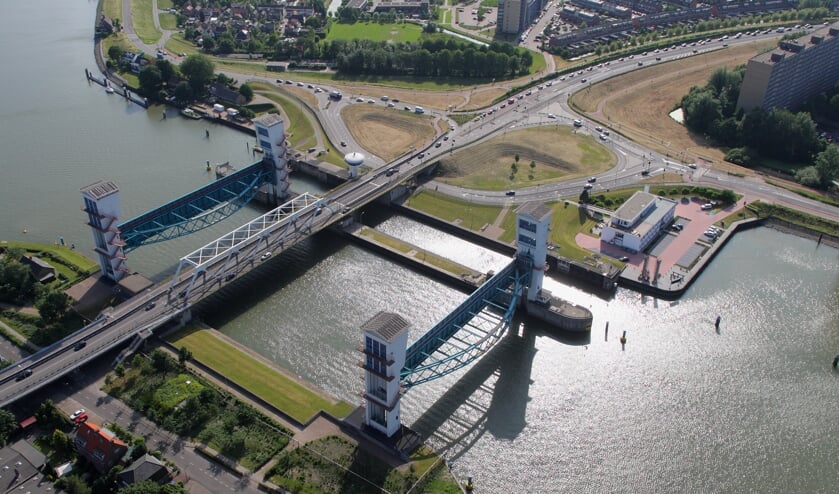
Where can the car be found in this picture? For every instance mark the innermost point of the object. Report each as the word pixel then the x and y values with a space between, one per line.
pixel 710 234
pixel 81 418
pixel 706 206
pixel 407 108
pixel 78 346
pixel 445 138
pixel 583 81
pixel 229 276
pixel 390 105
pixel 75 414
pixel 692 166
pixel 551 115
pixel 343 144
pixel 591 180
pixel 623 259
pixel 510 193
pixel 23 374
pixel 640 63
pixel 300 84
pixel 421 155
pixel 150 306
pixel 359 100
pixel 384 98
pixel 289 82
pixel 310 86
pixel 645 172
pixel 265 256
pixel 438 144
pixel 587 186
pixel 598 129
pixel 603 137
pixel 395 100
pixel 658 59
pixel 279 81
pixel 605 132
pixel 371 101
pixel 578 123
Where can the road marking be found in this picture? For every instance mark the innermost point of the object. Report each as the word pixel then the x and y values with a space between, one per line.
pixel 621 151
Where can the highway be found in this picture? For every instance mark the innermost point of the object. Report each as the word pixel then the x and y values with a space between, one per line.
pixel 201 273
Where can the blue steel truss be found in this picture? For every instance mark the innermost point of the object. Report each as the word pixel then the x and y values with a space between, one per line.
pixel 196 210
pixel 470 330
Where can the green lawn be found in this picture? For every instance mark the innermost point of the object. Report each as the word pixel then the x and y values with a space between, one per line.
pixel 295 400
pixel 404 32
pixel 168 21
pixel 66 254
pixel 471 216
pixel 112 9
pixel 164 4
pixel 142 18
pixel 177 44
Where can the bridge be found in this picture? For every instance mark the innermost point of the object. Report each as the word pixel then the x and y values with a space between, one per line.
pixel 205 270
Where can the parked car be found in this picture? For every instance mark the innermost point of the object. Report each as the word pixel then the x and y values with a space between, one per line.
pixel 707 206
pixel 75 414
pixel 80 419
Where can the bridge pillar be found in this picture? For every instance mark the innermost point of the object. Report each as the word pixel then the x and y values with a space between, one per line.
pixel 384 349
pixel 270 133
pixel 101 203
pixel 533 222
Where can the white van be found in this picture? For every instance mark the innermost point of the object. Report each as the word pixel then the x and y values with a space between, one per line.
pixel 419 109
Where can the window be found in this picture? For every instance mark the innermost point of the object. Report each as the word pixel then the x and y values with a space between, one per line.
pixel 524 239
pixel 527 225
pixel 265 144
pixel 263 131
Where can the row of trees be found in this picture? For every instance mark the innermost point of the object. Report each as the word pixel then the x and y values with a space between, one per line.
pixel 776 134
pixel 439 58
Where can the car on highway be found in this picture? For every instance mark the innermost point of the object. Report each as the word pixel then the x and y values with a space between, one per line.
pixel 591 180
pixel 23 374
pixel 645 172
pixel 78 346
pixel 598 129
pixel 551 115
pixel 510 193
pixel 578 123
pixel 343 144
pixel 75 414
pixel 265 256
pixel 150 305
pixel 692 166
pixel 229 276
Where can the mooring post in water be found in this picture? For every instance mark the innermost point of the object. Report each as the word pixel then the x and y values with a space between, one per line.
pixel 717 323
pixel 607 330
pixel 623 340
pixel 836 360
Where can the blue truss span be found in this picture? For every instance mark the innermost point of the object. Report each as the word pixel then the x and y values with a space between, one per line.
pixel 196 210
pixel 470 330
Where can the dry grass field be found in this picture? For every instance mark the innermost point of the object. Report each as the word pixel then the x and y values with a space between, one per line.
pixel 557 152
pixel 482 98
pixel 387 133
pixel 637 104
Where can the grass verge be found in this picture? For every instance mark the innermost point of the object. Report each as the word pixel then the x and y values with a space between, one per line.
pixel 293 399
pixel 142 18
pixel 806 193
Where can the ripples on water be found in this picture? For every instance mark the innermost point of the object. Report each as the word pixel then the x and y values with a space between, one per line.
pixel 752 408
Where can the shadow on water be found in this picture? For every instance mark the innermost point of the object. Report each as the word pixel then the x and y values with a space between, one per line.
pixel 248 290
pixel 491 396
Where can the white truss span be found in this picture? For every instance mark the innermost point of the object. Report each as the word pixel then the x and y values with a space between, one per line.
pixel 257 227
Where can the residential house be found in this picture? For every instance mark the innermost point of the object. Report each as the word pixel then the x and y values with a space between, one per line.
pixel 41 270
pixel 102 448
pixel 147 467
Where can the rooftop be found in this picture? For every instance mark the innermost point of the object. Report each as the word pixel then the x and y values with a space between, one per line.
pixel 791 47
pixel 100 189
pixel 387 325
pixel 268 120
pixel 633 207
pixel 534 209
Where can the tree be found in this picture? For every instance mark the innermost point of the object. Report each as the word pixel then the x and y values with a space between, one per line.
pixel 183 92
pixel 184 355
pixel 73 484
pixel 151 487
pixel 167 70
pixel 808 176
pixel 198 70
pixel 151 80
pixel 52 306
pixel 247 91
pixel 827 165
pixel 8 425
pixel 115 52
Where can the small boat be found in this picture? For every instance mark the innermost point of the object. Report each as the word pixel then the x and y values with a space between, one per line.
pixel 109 90
pixel 190 113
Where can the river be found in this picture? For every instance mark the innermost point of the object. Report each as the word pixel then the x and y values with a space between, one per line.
pixel 751 408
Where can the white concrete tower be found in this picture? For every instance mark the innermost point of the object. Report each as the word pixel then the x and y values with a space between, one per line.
pixel 101 203
pixel 533 222
pixel 354 161
pixel 270 133
pixel 385 345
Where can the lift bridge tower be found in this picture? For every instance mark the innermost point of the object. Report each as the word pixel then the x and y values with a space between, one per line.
pixel 270 133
